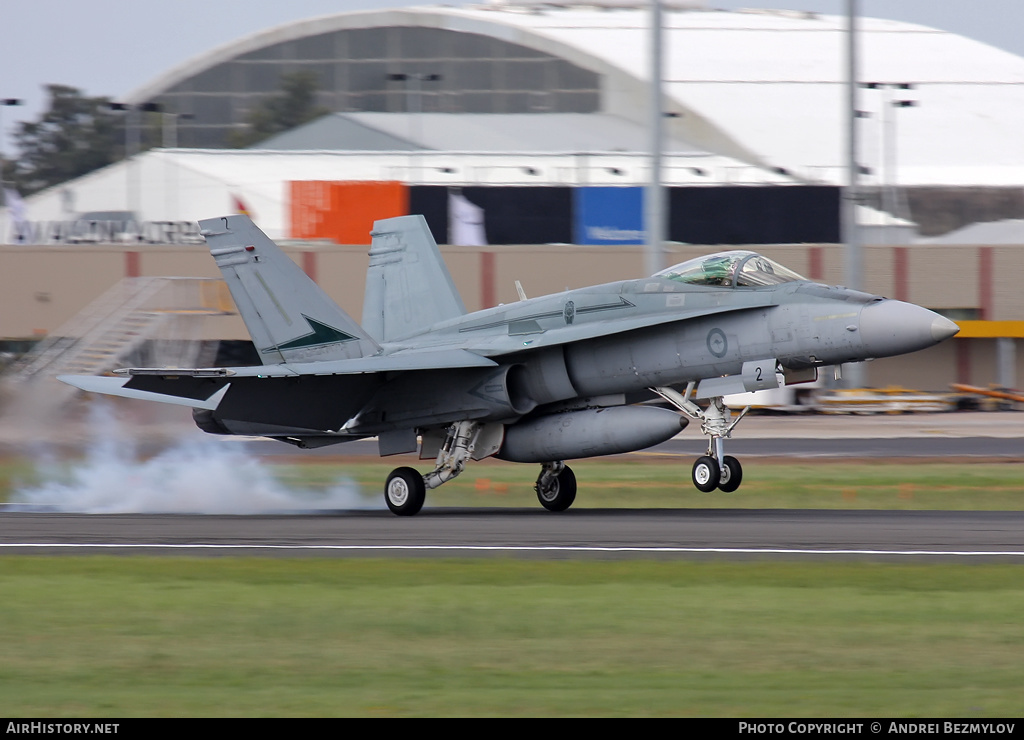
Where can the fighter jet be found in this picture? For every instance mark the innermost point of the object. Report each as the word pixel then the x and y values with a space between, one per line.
pixel 596 371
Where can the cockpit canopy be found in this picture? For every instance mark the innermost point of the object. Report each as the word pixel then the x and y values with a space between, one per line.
pixel 737 268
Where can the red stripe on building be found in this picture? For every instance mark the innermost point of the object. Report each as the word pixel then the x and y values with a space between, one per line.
pixel 309 264
pixel 963 360
pixel 901 274
pixel 132 264
pixel 986 260
pixel 817 264
pixel 488 297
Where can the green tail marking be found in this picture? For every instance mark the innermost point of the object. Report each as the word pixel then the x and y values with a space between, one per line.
pixel 320 335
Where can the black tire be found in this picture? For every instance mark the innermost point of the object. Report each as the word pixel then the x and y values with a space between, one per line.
pixel 706 474
pixel 560 493
pixel 405 492
pixel 732 474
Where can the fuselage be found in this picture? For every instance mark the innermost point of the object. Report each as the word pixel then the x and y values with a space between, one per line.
pixel 627 336
pixel 595 347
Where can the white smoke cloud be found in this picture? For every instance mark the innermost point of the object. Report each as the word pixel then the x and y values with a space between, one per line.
pixel 194 476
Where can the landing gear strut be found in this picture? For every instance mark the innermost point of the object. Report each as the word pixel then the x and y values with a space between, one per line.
pixel 406 489
pixel 715 469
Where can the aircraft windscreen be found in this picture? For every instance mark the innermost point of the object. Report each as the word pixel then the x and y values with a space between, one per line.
pixel 731 269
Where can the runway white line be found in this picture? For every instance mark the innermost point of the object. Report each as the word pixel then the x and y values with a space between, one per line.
pixel 513 548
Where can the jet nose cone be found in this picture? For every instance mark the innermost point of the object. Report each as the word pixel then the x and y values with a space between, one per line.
pixel 894 328
pixel 943 328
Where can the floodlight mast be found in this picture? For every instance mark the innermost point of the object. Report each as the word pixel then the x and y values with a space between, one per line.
pixel 3 103
pixel 851 196
pixel 654 202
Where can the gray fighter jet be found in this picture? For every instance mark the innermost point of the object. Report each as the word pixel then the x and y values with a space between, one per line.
pixel 595 371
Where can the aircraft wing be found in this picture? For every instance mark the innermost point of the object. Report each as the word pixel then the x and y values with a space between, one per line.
pixel 411 359
pixel 203 388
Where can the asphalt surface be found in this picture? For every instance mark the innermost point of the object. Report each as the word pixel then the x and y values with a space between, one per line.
pixel 885 535
pixel 619 533
pixel 939 435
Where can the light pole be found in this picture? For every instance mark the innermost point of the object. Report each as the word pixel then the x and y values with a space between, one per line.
pixel 654 197
pixel 891 202
pixel 4 102
pixel 854 269
pixel 170 137
pixel 171 142
pixel 891 144
pixel 132 140
pixel 414 105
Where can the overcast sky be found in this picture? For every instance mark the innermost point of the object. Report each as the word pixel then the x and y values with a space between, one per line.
pixel 111 47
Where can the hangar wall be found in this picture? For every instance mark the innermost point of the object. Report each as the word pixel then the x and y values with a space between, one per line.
pixel 354 69
pixel 42 287
pixel 344 211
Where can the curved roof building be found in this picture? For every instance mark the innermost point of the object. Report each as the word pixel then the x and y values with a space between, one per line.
pixel 765 87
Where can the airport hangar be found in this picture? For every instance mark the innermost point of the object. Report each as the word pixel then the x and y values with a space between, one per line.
pixel 538 113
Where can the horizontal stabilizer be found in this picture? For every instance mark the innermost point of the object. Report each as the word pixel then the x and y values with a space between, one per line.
pixel 207 398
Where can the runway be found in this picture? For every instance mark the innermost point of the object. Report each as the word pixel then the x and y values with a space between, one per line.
pixel 441 532
pixel 605 533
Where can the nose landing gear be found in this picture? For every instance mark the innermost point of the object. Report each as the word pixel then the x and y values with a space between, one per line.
pixel 715 469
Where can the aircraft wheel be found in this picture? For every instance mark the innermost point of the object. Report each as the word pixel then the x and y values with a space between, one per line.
pixel 559 492
pixel 732 474
pixel 404 492
pixel 706 473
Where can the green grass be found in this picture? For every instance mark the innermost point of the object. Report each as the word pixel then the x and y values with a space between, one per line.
pixel 651 481
pixel 642 481
pixel 139 636
pixel 122 637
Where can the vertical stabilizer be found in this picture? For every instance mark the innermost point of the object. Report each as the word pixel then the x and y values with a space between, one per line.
pixel 408 287
pixel 289 318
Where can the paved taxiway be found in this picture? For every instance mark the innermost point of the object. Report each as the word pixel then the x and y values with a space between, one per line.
pixel 945 435
pixel 940 435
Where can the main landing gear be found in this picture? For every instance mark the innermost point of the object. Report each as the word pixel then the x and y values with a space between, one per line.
pixel 405 490
pixel 556 486
pixel 715 469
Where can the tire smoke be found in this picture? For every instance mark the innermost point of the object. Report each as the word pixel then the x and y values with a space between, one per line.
pixel 193 476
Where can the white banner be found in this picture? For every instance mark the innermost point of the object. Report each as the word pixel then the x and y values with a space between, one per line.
pixel 16 213
pixel 465 222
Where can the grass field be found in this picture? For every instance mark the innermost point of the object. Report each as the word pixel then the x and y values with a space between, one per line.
pixel 122 637
pixel 645 481
pixel 140 636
